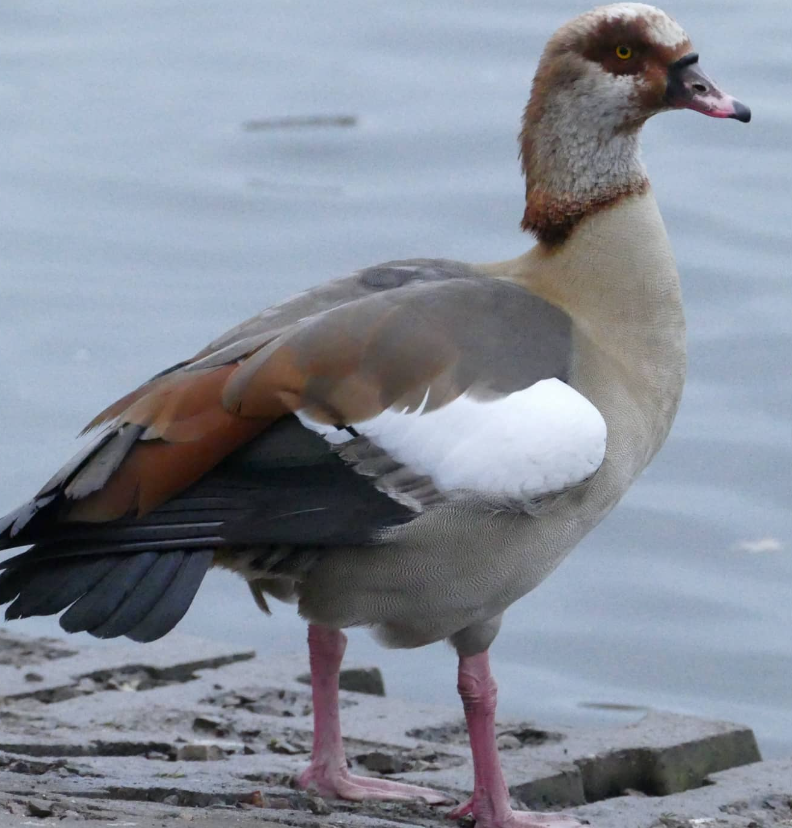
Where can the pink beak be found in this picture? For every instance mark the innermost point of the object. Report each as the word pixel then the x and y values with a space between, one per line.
pixel 690 88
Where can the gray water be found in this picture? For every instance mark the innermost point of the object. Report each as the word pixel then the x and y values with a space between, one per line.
pixel 140 218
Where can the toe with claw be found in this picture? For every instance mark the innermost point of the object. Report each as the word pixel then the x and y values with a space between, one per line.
pixel 344 785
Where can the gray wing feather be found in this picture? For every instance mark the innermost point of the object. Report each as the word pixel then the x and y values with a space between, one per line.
pixel 499 332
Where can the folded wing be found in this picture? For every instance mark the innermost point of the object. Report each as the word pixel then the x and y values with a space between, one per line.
pixel 325 421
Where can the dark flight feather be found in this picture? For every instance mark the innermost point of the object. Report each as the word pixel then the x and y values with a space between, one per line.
pixel 136 576
pixel 98 604
pixel 143 598
pixel 175 600
pixel 50 589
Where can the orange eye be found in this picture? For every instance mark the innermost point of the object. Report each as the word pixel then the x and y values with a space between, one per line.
pixel 624 52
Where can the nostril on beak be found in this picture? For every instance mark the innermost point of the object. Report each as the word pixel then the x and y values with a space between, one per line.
pixel 700 87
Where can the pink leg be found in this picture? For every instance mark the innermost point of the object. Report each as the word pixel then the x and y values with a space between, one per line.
pixel 490 804
pixel 328 773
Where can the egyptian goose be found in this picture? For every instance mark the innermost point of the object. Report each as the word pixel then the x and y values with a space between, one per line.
pixel 416 446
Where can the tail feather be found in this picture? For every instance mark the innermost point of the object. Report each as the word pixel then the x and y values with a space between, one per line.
pixel 54 588
pixel 176 600
pixel 142 600
pixel 98 604
pixel 12 581
pixel 133 576
pixel 142 596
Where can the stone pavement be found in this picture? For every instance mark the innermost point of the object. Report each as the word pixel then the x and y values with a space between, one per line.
pixel 186 730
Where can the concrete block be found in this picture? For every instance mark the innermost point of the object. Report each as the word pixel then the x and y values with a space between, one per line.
pixel 661 754
pixel 362 680
pixel 188 730
pixel 200 753
pixel 756 795
pixel 356 680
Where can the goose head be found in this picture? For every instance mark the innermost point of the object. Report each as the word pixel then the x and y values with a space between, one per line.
pixel 600 77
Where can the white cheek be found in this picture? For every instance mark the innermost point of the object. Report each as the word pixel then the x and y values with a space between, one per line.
pixel 616 91
pixel 604 100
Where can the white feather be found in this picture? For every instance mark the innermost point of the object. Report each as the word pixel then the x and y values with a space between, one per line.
pixel 664 30
pixel 531 443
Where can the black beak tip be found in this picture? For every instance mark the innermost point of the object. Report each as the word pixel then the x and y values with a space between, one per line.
pixel 741 112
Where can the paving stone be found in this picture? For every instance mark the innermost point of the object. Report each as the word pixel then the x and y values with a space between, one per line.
pixel 760 793
pixel 382 762
pixel 662 754
pixel 200 753
pixel 362 680
pixel 356 680
pixel 39 808
pixel 134 733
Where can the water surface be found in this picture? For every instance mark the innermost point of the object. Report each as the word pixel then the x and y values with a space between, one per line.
pixel 140 218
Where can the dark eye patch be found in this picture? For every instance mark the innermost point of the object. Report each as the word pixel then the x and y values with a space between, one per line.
pixel 618 66
pixel 600 46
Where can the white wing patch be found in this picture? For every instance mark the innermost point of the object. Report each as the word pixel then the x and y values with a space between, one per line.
pixel 531 443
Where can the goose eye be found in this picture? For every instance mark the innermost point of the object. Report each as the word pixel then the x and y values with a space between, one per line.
pixel 624 52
